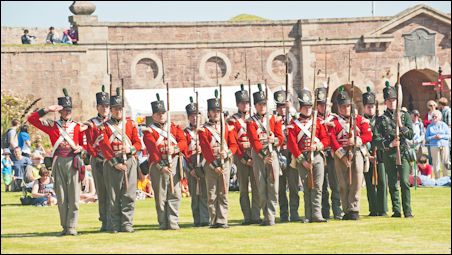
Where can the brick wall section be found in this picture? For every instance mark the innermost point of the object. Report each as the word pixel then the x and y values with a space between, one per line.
pixel 44 71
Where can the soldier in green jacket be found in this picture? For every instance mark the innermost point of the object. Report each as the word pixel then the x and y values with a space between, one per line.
pixel 387 141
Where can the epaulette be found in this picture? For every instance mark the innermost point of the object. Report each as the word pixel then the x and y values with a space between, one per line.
pixel 278 118
pixel 290 126
pixel 364 120
pixel 230 128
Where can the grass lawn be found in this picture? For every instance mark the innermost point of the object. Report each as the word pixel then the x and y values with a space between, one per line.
pixel 29 229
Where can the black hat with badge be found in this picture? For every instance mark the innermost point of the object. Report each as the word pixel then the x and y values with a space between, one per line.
pixel 389 92
pixel 280 97
pixel 342 97
pixel 191 108
pixel 305 97
pixel 117 99
pixel 369 97
pixel 321 94
pixel 213 103
pixel 65 101
pixel 259 96
pixel 242 95
pixel 158 106
pixel 102 98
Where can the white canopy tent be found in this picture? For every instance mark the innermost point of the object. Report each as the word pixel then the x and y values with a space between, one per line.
pixel 138 101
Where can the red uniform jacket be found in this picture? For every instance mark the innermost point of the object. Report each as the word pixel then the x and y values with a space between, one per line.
pixel 297 147
pixel 339 135
pixel 207 145
pixel 113 150
pixel 50 128
pixel 191 142
pixel 93 137
pixel 255 133
pixel 156 145
pixel 324 122
pixel 240 130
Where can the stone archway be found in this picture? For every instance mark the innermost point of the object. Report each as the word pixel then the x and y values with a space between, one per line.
pixel 357 98
pixel 415 96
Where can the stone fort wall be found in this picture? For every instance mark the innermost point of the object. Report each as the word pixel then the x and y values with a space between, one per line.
pixel 193 50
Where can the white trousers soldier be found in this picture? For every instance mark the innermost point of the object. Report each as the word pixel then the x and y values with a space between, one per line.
pixel 350 194
pixel 289 177
pixel 166 202
pixel 217 199
pixel 121 200
pixel 246 177
pixel 268 186
pixel 100 179
pixel 198 191
pixel 313 197
pixel 67 190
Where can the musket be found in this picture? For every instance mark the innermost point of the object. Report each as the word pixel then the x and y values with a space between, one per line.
pixel 267 129
pixel 222 143
pixel 286 76
pixel 222 126
pixel 168 144
pixel 351 133
pixel 375 155
pixel 397 117
pixel 313 129
pixel 349 65
pixel 249 87
pixel 198 156
pixel 168 128
pixel 123 130
pixel 108 69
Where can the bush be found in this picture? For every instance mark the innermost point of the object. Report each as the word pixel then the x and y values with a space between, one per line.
pixel 13 106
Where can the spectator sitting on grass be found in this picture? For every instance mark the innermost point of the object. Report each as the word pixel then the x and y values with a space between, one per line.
pixel 424 168
pixel 88 192
pixel 32 171
pixel 39 148
pixel 7 169
pixel 144 187
pixel 42 191
pixel 19 164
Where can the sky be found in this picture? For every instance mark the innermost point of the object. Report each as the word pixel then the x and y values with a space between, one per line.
pixel 46 13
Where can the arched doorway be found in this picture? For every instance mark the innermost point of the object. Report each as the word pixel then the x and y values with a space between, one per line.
pixel 357 98
pixel 415 96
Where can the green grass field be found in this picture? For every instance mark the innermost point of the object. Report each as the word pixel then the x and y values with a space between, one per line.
pixel 32 230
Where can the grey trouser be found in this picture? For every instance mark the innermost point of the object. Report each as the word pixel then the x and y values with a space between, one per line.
pixel 217 199
pixel 289 177
pixel 198 201
pixel 99 175
pixel 330 180
pixel 121 202
pixel 245 174
pixel 167 203
pixel 67 190
pixel 313 197
pixel 268 188
pixel 350 194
